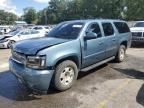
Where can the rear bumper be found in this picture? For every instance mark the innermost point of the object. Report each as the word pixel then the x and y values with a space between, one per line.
pixel 37 80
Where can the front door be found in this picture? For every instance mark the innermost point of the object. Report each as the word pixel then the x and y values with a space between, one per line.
pixel 94 49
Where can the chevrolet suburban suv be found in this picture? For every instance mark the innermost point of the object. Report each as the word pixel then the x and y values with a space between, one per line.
pixel 71 47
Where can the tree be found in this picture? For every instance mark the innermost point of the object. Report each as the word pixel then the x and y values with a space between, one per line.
pixel 134 9
pixel 30 15
pixel 7 18
pixel 63 10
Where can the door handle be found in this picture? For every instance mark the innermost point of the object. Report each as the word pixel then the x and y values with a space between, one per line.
pixel 113 39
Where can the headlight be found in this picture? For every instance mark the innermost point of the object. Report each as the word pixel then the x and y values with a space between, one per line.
pixel 36 62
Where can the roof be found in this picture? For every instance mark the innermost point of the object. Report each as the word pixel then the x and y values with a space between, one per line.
pixel 97 20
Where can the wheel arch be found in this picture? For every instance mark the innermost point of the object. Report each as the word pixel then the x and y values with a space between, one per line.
pixel 125 43
pixel 73 58
pixel 9 42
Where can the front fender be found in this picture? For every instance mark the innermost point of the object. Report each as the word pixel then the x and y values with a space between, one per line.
pixel 62 51
pixel 69 56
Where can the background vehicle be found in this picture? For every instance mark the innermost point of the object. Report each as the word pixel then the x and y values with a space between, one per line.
pixel 44 29
pixel 138 32
pixel 4 30
pixel 70 47
pixel 7 40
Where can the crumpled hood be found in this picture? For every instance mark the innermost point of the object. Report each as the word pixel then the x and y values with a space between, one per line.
pixel 32 46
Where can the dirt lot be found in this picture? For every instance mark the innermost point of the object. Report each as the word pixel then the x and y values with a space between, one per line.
pixel 111 85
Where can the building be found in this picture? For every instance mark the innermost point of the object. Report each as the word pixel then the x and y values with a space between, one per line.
pixel 21 23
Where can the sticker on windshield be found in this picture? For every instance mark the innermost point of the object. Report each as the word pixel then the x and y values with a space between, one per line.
pixel 77 26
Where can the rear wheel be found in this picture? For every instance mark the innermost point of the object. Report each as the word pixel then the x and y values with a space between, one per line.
pixel 121 54
pixel 10 44
pixel 65 75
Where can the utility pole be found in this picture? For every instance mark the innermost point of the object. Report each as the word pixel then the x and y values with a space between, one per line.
pixel 45 13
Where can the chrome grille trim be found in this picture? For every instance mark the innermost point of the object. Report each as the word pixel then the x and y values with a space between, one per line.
pixel 16 61
pixel 19 58
pixel 137 34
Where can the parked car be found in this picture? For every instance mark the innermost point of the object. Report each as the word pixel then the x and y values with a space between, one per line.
pixel 6 41
pixel 138 32
pixel 70 47
pixel 4 30
pixel 44 29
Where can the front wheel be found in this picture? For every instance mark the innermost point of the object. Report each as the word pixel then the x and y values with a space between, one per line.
pixel 121 54
pixel 65 75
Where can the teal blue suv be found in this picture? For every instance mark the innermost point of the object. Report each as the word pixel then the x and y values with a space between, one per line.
pixel 71 47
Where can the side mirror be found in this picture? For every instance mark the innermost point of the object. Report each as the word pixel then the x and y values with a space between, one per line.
pixel 90 35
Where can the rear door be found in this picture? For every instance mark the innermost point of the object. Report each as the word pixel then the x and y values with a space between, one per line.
pixel 111 40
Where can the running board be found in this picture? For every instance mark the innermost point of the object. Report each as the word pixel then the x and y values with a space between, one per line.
pixel 98 64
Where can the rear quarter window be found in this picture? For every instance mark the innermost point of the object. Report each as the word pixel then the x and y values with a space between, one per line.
pixel 122 27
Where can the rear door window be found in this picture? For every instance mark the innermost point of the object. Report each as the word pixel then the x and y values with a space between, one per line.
pixel 108 29
pixel 122 27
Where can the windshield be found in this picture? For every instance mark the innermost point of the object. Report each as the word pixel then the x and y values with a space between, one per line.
pixel 14 33
pixel 66 30
pixel 139 24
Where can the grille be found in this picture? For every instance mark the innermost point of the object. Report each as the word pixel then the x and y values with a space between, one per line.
pixel 137 34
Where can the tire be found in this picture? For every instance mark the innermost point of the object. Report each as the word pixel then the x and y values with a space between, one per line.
pixel 121 54
pixel 65 75
pixel 10 44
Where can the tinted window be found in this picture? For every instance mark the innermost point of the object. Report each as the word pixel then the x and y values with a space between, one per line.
pixel 108 29
pixel 47 27
pixel 66 30
pixel 95 29
pixel 139 24
pixel 122 27
pixel 25 33
pixel 34 32
pixel 38 28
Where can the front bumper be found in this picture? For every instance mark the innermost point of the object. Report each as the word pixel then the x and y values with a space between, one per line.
pixel 37 80
pixel 138 39
pixel 4 44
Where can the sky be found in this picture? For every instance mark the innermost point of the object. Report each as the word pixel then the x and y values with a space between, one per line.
pixel 17 6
